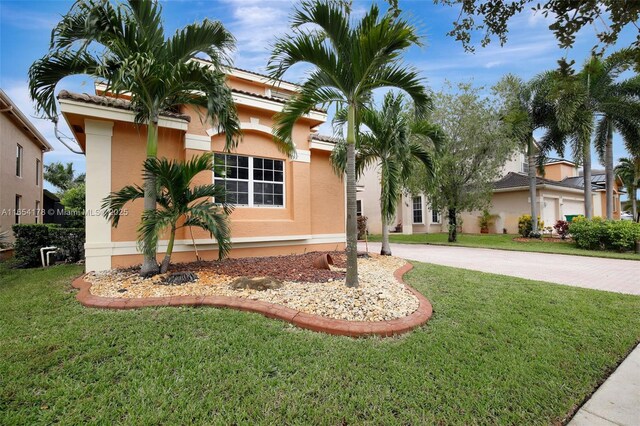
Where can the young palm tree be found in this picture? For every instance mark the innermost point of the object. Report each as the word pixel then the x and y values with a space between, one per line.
pixel 349 60
pixel 528 110
pixel 181 205
pixel 629 172
pixel 124 45
pixel 389 142
pixel 595 94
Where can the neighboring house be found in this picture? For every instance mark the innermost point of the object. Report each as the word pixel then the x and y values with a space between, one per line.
pixel 283 205
pixel 559 193
pixel 22 148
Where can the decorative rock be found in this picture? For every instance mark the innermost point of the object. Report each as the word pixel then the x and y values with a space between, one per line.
pixel 259 284
pixel 178 278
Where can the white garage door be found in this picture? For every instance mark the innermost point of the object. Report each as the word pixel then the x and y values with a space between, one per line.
pixel 572 207
pixel 550 211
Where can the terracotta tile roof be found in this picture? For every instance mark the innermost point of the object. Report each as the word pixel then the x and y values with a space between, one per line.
pixel 323 138
pixel 270 98
pixel 112 103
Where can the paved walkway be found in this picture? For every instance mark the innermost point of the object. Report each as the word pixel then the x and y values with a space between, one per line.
pixel 617 401
pixel 617 275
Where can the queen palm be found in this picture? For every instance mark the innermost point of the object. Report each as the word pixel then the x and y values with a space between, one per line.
pixel 595 100
pixel 349 59
pixel 527 109
pixel 390 142
pixel 124 45
pixel 181 204
pixel 628 170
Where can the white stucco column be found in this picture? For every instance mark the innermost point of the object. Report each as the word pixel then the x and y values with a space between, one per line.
pixel 98 184
pixel 407 214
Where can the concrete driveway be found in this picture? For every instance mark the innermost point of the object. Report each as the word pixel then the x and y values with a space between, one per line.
pixel 621 276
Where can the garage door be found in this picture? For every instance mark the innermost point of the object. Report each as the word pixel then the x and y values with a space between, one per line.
pixel 550 211
pixel 572 207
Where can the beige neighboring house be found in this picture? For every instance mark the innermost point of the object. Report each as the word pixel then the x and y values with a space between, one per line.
pixel 560 192
pixel 22 148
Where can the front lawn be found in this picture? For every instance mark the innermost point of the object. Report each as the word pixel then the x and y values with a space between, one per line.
pixel 504 242
pixel 498 350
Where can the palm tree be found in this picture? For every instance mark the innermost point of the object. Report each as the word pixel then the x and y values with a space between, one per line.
pixel 628 170
pixel 595 94
pixel 179 203
pixel 124 45
pixel 62 176
pixel 528 110
pixel 389 142
pixel 349 60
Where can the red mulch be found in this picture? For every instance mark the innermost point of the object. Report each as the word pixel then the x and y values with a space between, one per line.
pixel 544 240
pixel 295 267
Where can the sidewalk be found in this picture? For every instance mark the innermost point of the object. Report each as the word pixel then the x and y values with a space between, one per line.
pixel 617 401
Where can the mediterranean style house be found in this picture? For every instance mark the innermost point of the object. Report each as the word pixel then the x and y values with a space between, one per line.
pixel 22 148
pixel 560 193
pixel 283 205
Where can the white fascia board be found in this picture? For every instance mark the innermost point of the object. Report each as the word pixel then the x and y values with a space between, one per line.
pixel 115 114
pixel 321 145
pixel 274 106
pixel 549 187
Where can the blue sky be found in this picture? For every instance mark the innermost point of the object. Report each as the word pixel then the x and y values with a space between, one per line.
pixel 25 28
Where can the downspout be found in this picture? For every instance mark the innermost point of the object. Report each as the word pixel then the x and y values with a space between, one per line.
pixel 59 136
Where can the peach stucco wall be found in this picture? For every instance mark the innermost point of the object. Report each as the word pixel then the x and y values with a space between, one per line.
pixel 559 171
pixel 314 195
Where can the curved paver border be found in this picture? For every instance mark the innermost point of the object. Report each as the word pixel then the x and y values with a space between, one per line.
pixel 271 310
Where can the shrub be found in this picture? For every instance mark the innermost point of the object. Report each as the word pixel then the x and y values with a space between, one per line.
pixel 29 239
pixel 70 241
pixel 562 228
pixel 599 234
pixel 525 226
pixel 362 227
pixel 32 237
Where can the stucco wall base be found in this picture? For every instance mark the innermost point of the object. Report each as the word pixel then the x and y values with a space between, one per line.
pixel 122 261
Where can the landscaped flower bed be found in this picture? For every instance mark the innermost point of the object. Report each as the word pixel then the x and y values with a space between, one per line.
pixel 301 287
pixel 543 240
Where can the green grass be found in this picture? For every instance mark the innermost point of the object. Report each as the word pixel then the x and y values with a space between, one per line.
pixel 498 350
pixel 504 242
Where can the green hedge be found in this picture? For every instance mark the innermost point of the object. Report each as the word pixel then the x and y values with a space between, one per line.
pixel 31 238
pixel 599 234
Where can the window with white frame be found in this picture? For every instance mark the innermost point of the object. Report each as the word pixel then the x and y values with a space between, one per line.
pixel 435 216
pixel 37 211
pixel 18 206
pixel 417 210
pixel 358 207
pixel 38 168
pixel 250 181
pixel 18 160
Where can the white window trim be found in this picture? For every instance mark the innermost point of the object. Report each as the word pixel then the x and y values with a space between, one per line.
pixel 421 209
pixel 439 222
pixel 18 213
pixel 19 157
pixel 361 207
pixel 251 204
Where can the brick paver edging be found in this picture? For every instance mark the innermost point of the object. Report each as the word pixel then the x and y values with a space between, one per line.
pixel 271 310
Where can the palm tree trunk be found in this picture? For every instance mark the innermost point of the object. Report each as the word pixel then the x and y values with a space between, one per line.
pixel 352 221
pixel 608 166
pixel 634 206
pixel 149 263
pixel 453 226
pixel 586 173
pixel 386 249
pixel 167 256
pixel 532 186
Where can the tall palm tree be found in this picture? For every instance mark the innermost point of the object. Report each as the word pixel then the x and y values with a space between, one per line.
pixel 350 58
pixel 181 204
pixel 595 100
pixel 125 46
pixel 527 109
pixel 628 170
pixel 389 142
